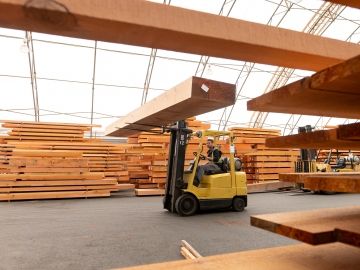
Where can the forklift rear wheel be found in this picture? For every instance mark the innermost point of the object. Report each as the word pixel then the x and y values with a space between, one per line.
pixel 238 204
pixel 186 205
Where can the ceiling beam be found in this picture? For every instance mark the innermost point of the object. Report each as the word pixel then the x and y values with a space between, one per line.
pixel 148 24
pixel 349 3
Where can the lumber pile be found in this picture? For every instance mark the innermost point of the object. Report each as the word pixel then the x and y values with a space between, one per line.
pixel 260 162
pixel 55 160
pixel 147 158
pixel 44 174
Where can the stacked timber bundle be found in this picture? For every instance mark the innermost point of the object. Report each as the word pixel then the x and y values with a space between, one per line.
pixel 103 157
pixel 60 150
pixel 44 131
pixel 266 164
pixel 45 174
pixel 147 158
pixel 259 162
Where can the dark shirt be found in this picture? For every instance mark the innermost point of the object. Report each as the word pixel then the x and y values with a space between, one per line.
pixel 215 153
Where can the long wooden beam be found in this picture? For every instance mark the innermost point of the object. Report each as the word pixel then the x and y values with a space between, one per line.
pixel 350 3
pixel 330 257
pixel 333 92
pixel 343 137
pixel 192 97
pixel 301 177
pixel 314 227
pixel 148 24
pixel 337 182
pixel 340 183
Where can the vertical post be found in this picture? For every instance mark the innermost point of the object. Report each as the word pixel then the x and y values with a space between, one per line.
pixel 93 90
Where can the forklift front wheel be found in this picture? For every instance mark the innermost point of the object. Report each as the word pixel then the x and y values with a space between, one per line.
pixel 238 204
pixel 186 205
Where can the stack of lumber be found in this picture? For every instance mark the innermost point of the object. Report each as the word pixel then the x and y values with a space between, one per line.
pixel 41 152
pixel 266 164
pixel 102 157
pixel 45 174
pixel 259 162
pixel 147 158
pixel 250 139
pixel 45 131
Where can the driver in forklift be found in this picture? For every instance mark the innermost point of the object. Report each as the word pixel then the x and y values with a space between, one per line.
pixel 214 164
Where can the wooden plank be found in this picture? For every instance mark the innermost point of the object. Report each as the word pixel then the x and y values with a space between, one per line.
pixel 54 195
pixel 331 92
pixel 314 227
pixel 338 183
pixel 47 170
pixel 330 257
pixel 177 29
pixel 22 134
pixel 149 192
pixel 186 99
pixel 46 130
pixel 350 3
pixel 267 186
pixel 51 176
pixel 269 164
pixel 300 177
pixel 38 183
pixel 61 188
pixel 186 253
pixel 49 162
pixel 42 153
pixel 49 124
pixel 274 153
pixel 191 249
pixel 39 138
pixel 321 139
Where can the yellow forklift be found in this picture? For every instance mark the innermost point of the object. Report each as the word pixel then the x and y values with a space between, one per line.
pixel 225 190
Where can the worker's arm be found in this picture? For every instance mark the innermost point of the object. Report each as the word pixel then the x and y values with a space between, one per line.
pixel 216 156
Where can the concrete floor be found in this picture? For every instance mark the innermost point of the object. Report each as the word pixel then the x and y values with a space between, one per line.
pixel 124 230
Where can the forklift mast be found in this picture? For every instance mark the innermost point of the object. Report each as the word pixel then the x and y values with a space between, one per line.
pixel 306 155
pixel 175 173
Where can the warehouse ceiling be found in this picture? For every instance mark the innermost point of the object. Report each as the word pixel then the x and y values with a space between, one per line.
pixel 60 79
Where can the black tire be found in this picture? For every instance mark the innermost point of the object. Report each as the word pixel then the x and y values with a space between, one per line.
pixel 238 204
pixel 186 205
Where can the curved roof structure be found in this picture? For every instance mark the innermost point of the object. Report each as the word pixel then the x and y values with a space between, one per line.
pixel 61 79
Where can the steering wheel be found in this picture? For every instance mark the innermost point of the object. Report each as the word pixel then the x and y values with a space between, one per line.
pixel 202 157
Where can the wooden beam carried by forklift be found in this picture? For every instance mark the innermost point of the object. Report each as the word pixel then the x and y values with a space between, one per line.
pixel 192 97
